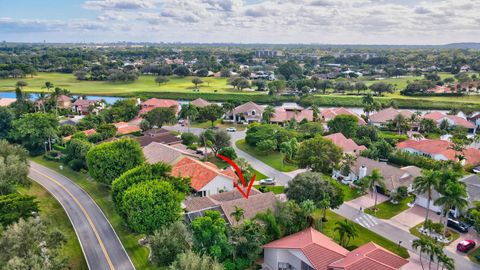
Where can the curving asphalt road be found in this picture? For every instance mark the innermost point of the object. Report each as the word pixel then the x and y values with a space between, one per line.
pixel 100 244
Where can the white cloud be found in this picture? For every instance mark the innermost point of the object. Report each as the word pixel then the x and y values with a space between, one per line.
pixel 119 4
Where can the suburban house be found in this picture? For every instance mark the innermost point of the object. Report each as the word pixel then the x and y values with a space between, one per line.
pixel 4 102
pixel 311 250
pixel 384 116
pixel 246 113
pixel 329 114
pixel 64 102
pixel 157 152
pixel 200 102
pixel 153 103
pixel 439 150
pixel 159 135
pixel 226 202
pixel 442 89
pixel 452 120
pixel 290 111
pixel 393 177
pixel 348 145
pixel 206 178
pixel 86 106
pixel 126 128
pixel 472 183
pixel 474 119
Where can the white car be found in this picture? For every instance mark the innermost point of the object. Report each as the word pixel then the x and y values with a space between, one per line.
pixel 231 129
pixel 268 181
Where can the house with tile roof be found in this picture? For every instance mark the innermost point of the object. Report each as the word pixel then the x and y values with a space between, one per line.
pixel 311 250
pixel 246 113
pixel 206 178
pixel 5 102
pixel 383 117
pixel 200 102
pixel 86 106
pixel 87 132
pixel 153 103
pixel 329 114
pixel 159 135
pixel 225 204
pixel 439 150
pixel 290 111
pixel 126 128
pixel 348 145
pixel 452 120
pixel 156 152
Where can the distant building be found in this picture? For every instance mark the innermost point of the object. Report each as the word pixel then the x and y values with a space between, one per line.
pixel 268 53
pixel 126 128
pixel 329 114
pixel 385 116
pixel 200 102
pixel 291 111
pixel 452 120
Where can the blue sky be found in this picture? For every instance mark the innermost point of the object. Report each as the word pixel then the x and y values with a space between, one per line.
pixel 245 21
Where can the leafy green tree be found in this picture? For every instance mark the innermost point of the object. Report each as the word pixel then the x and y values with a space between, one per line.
pixel 381 87
pixel 272 229
pixel 108 161
pixel 169 242
pixel 197 81
pixel 319 154
pixel 291 217
pixel 151 205
pixel 189 112
pixel 161 80
pixel 160 116
pixel 216 140
pixel 277 86
pixel 181 71
pixel 77 150
pixel 66 130
pixel 290 70
pixel 122 110
pixel 346 231
pixel 188 138
pixel 290 149
pixel 191 261
pixel 400 123
pixel 13 167
pixel 243 83
pixel 370 105
pixel 106 131
pixel 145 125
pixel 268 113
pixel 228 152
pixel 360 86
pixel 374 181
pixel 6 118
pixel 16 206
pixel 210 236
pixel 345 124
pixel 210 113
pixel 324 85
pixel 238 214
pixel 247 239
pixel 427 125
pixel 30 244
pixel 35 131
pixel 311 129
pixel 426 183
pixel 267 145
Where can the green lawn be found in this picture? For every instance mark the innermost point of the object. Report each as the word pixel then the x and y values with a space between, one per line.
pixel 364 235
pixel 453 235
pixel 387 210
pixel 101 195
pixel 349 192
pixel 274 160
pixel 53 214
pixel 218 124
pixel 474 254
pixel 145 83
pixel 274 189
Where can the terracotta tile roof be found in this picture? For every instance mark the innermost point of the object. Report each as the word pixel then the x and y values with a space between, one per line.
pixel 4 102
pixel 283 115
pixel 153 103
pixel 158 152
pixel 63 98
pixel 248 107
pixel 456 120
pixel 441 147
pixel 370 256
pixel 200 102
pixel 85 102
pixel 439 89
pixel 200 173
pixel 126 128
pixel 348 145
pixel 329 114
pixel 388 114
pixel 319 249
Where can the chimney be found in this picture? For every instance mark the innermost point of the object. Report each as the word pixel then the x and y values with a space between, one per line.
pixel 362 172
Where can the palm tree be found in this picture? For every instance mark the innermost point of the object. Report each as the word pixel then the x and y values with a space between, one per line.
pixel 372 182
pixel 445 261
pixel 454 196
pixel 346 230
pixel 347 164
pixel 308 207
pixel 424 245
pixel 425 184
pixel 369 104
pixel 238 214
pixel 316 112
pixel 400 123
pixel 190 112
pixel 268 113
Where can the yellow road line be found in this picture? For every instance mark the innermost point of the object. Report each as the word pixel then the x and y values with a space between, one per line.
pixel 89 219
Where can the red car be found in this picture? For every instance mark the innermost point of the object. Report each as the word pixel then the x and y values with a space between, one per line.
pixel 465 245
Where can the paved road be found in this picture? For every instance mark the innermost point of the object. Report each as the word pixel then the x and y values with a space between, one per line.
pixel 395 234
pixel 100 244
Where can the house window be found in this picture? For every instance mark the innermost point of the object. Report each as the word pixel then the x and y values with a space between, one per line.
pixel 254 112
pixel 306 266
pixel 285 266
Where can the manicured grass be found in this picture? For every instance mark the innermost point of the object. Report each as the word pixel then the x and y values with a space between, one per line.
pixel 473 255
pixel 453 235
pixel 218 124
pixel 364 235
pixel 53 214
pixel 102 196
pixel 349 192
pixel 387 210
pixel 274 189
pixel 145 83
pixel 274 160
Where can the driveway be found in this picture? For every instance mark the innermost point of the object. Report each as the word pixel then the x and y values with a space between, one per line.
pixel 99 242
pixel 366 201
pixel 412 217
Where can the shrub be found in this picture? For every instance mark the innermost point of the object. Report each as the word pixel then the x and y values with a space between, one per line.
pixel 267 145
pixel 15 206
pixel 53 155
pixel 77 165
pixel 188 138
pixel 403 158
pixel 228 152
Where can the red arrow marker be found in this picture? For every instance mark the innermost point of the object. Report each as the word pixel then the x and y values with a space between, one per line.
pixel 240 174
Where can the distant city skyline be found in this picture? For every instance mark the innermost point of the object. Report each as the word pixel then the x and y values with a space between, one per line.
pixel 389 22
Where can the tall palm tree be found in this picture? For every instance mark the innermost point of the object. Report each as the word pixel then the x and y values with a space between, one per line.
pixel 423 244
pixel 316 113
pixel 372 182
pixel 190 112
pixel 346 231
pixel 268 113
pixel 425 183
pixel 454 196
pixel 238 214
pixel 347 164
pixel 445 261
pixel 400 123
pixel 369 104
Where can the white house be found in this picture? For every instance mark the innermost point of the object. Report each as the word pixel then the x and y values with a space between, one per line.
pixel 206 178
pixel 245 113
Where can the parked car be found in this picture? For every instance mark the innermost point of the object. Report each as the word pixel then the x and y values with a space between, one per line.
pixel 231 129
pixel 465 245
pixel 199 152
pixel 268 181
pixel 457 225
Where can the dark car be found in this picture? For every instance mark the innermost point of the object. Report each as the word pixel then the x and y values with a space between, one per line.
pixel 457 225
pixel 465 245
